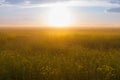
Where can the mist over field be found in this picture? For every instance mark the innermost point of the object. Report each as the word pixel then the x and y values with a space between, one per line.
pixel 60 54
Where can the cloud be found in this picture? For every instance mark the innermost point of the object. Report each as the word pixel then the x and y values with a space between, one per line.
pixel 115 1
pixel 30 3
pixel 112 4
pixel 39 1
pixel 114 10
pixel 62 2
pixel 14 2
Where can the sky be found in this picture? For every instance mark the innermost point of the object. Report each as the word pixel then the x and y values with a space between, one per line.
pixel 25 13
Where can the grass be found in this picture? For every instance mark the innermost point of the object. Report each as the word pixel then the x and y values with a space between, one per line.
pixel 60 54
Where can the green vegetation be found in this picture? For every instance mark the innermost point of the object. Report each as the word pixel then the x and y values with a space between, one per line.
pixel 59 55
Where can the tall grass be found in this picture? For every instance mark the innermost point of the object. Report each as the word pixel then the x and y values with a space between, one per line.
pixel 51 55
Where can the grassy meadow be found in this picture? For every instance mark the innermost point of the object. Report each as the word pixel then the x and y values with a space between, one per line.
pixel 59 54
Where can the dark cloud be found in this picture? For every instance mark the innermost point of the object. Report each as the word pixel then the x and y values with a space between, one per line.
pixel 114 10
pixel 115 1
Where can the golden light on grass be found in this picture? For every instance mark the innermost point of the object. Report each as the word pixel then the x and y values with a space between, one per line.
pixel 59 17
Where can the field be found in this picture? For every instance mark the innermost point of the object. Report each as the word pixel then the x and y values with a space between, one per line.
pixel 57 54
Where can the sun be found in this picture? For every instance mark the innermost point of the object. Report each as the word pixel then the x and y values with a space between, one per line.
pixel 59 17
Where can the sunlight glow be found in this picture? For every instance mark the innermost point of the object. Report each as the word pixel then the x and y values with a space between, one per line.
pixel 59 17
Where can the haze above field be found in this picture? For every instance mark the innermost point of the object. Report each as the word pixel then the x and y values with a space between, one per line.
pixel 60 13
